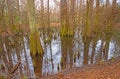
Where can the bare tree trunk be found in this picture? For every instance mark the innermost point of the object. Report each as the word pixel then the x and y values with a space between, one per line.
pixel 36 49
pixel 2 9
pixel 42 14
pixel 10 15
pixel 48 14
pixel 87 29
pixel 72 13
pixel 113 11
pixel 64 18
pixel 35 44
pixel 96 20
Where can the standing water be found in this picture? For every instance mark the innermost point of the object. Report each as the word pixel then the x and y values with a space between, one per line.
pixel 60 53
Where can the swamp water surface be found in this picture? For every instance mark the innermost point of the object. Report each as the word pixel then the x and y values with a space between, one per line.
pixel 60 53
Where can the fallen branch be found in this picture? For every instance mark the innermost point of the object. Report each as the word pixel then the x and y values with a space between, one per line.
pixel 15 67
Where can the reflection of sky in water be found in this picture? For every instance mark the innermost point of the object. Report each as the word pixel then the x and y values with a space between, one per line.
pixel 56 54
pixel 111 48
pixel 29 57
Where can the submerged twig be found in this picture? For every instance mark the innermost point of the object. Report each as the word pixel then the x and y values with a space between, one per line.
pixel 15 67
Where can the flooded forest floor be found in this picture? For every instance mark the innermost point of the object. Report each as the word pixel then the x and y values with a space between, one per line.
pixel 96 58
pixel 102 70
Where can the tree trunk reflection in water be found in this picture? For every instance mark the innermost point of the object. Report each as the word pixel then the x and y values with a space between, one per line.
pixel 51 57
pixel 94 43
pixel 26 59
pixel 86 41
pixel 70 50
pixel 8 46
pixel 64 53
pixel 4 57
pixel 37 63
pixel 101 50
pixel 107 43
pixel 17 48
pixel 67 52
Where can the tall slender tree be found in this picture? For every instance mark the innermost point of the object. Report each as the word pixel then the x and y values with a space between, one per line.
pixel 48 11
pixel 64 18
pixel 42 19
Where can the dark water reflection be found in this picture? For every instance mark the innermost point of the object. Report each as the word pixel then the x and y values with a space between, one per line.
pixel 61 53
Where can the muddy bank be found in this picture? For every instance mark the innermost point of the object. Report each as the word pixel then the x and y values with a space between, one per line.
pixel 102 70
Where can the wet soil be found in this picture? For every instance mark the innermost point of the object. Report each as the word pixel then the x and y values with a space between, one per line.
pixel 102 70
